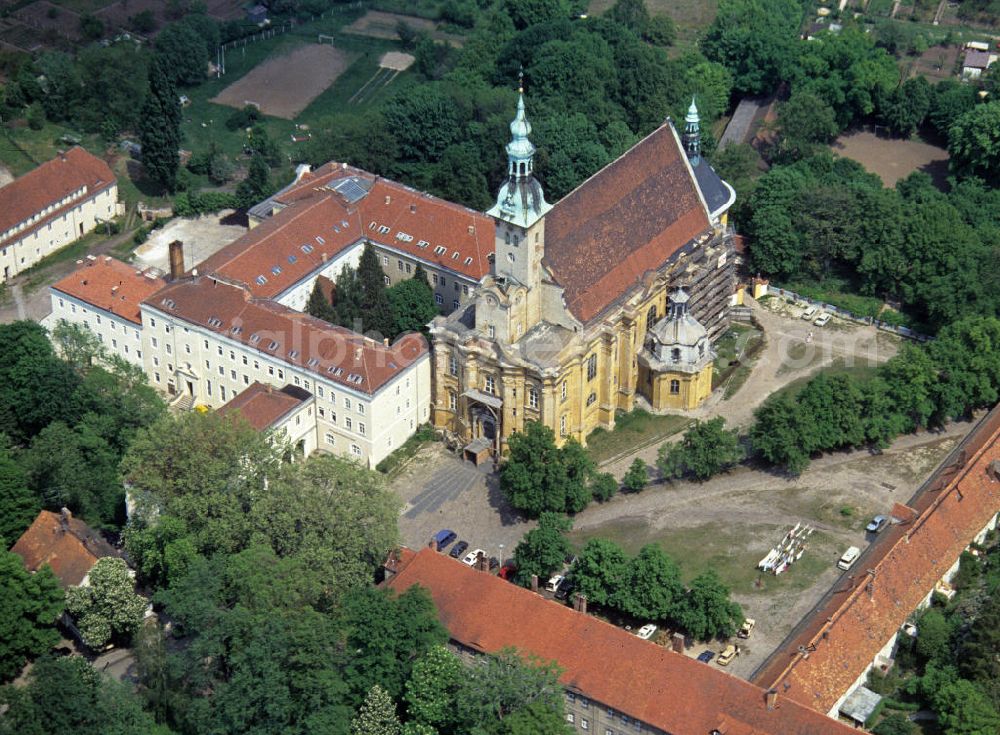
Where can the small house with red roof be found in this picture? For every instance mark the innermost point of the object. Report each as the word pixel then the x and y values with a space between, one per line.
pixel 66 544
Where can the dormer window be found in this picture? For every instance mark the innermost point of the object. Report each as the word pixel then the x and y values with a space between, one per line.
pixel 675 354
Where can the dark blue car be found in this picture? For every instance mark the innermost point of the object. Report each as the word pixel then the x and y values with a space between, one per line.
pixel 706 656
pixel 444 537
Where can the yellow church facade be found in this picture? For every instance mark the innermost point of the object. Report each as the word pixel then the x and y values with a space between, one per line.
pixel 608 298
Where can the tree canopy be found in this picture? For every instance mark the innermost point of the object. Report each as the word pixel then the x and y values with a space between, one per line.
pixel 30 604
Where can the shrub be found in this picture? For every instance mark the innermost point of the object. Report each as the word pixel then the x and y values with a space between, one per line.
pixel 637 476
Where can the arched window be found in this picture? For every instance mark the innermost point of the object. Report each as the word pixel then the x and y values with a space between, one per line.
pixel 592 367
pixel 520 168
pixel 701 349
pixel 675 354
pixel 651 317
pixel 675 387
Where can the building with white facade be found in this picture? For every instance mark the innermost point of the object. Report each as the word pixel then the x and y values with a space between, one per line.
pixel 103 294
pixel 321 222
pixel 53 205
pixel 206 340
pixel 288 412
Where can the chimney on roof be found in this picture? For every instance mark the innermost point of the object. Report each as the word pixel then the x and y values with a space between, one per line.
pixel 433 544
pixel 176 260
pixel 322 257
pixel 64 518
pixel 194 271
pixel 269 388
pixel 79 262
pixel 413 209
pixel 580 603
pixel 771 699
pixel 388 199
pixel 472 229
pixel 481 562
pixel 385 341
pixel 107 258
pixel 62 155
pixel 677 642
pixel 534 583
pixel 993 470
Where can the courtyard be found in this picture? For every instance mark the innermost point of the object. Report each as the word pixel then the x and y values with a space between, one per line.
pixel 731 521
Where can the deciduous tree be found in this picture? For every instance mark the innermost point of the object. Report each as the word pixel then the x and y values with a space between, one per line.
pixel 30 605
pixel 108 606
pixel 707 449
pixel 377 715
pixel 707 610
pixel 542 550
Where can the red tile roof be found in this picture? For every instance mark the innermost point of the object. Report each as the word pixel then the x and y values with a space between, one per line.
pixel 111 285
pixel 284 249
pixel 48 184
pixel 335 353
pixel 312 214
pixel 71 549
pixel 262 406
pixel 667 690
pixel 844 635
pixel 467 236
pixel 629 218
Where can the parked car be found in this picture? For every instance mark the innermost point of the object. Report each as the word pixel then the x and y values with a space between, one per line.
pixel 809 313
pixel 728 654
pixel 472 556
pixel 747 628
pixel 507 571
pixel 554 581
pixel 494 563
pixel 850 556
pixel 706 656
pixel 564 589
pixel 822 319
pixel 444 537
pixel 458 549
pixel 877 524
pixel 646 632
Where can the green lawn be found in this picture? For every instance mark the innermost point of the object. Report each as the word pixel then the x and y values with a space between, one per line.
pixel 722 547
pixel 838 367
pixel 632 430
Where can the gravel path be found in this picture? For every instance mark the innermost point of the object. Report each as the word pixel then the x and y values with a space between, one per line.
pixel 786 357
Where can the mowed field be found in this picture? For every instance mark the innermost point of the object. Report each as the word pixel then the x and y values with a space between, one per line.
pixel 892 159
pixel 283 86
pixel 691 16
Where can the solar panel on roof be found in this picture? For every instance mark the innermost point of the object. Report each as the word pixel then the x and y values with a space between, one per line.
pixel 350 189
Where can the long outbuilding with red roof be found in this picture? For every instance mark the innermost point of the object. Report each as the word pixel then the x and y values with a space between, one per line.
pixel 53 205
pixel 615 682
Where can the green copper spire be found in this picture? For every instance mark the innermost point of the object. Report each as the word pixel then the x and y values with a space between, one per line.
pixel 692 134
pixel 520 200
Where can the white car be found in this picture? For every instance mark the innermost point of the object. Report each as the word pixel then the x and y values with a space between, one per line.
pixel 822 319
pixel 809 313
pixel 471 557
pixel 554 582
pixel 646 632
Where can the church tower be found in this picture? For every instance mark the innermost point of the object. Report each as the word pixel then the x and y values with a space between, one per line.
pixel 520 208
pixel 692 134
pixel 511 305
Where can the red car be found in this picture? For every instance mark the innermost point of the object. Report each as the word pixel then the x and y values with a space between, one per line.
pixel 507 571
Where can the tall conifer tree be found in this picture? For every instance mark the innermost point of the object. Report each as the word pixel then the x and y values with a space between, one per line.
pixel 159 127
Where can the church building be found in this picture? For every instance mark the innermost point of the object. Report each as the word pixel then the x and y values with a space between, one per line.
pixel 608 298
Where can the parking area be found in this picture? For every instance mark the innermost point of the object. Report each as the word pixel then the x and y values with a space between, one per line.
pixel 439 491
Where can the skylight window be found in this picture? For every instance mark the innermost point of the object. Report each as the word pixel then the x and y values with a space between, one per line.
pixel 335 228
pixel 344 224
pixel 454 255
pixel 440 250
pixel 261 280
pixel 372 225
pixel 292 258
pixel 293 354
pixel 236 330
pixel 276 270
pixel 422 243
pixel 214 321
pixel 307 248
pixel 272 345
pixel 313 362
pixel 468 261
pixel 320 240
pixel 254 339
pixel 384 230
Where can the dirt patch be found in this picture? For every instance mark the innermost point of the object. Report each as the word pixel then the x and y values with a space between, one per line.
pixel 46 16
pixel 731 521
pixel 376 24
pixel 936 63
pixel 893 159
pixel 283 86
pixel 202 236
